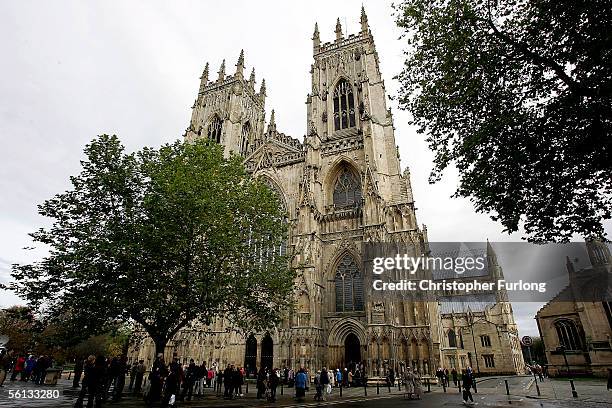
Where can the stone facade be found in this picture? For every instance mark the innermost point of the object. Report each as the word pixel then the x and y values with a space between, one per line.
pixel 342 186
pixel 583 328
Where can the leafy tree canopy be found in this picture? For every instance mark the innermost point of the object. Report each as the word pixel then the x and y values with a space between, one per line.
pixel 517 95
pixel 163 238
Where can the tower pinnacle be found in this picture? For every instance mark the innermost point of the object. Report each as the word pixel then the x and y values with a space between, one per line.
pixel 222 71
pixel 364 20
pixel 316 40
pixel 204 78
pixel 338 30
pixel 272 123
pixel 252 78
pixel 240 65
pixel 262 88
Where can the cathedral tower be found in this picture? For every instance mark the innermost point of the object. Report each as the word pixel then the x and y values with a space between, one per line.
pixel 228 109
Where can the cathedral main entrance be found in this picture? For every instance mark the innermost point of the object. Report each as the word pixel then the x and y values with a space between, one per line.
pixel 352 351
pixel 267 352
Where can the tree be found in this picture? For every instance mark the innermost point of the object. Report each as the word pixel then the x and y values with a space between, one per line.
pixel 163 238
pixel 517 95
pixel 21 327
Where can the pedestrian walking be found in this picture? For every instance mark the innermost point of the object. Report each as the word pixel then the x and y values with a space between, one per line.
pixel 140 371
pixel 468 383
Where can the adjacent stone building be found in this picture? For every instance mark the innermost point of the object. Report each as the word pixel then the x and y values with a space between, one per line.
pixel 576 325
pixel 340 187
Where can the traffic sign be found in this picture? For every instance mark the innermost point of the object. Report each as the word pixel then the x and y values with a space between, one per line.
pixel 527 341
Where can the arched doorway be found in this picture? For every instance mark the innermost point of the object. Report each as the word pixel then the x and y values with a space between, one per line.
pixel 267 352
pixel 352 351
pixel 250 356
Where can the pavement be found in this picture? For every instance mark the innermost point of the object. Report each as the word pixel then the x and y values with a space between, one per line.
pixel 491 393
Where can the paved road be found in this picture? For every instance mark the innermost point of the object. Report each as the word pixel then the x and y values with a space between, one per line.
pixel 492 393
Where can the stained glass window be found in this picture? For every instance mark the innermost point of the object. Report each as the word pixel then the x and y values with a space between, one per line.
pixel 349 286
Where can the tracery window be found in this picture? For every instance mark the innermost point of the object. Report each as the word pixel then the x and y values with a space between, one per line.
pixel 344 106
pixel 349 286
pixel 347 190
pixel 246 133
pixel 214 129
pixel 452 338
pixel 568 334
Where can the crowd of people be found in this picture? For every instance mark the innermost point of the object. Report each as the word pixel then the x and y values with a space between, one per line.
pixel 23 367
pixel 161 384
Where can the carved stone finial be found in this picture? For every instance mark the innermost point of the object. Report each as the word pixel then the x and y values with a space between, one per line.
pixel 252 79
pixel 316 40
pixel 204 78
pixel 222 71
pixel 338 30
pixel 364 21
pixel 240 65
pixel 262 88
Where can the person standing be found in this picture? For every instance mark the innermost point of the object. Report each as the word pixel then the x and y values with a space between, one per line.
pixel 324 381
pixel 133 370
pixel 19 367
pixel 5 365
pixel 273 381
pixel 120 378
pixel 78 372
pixel 227 379
pixel 158 372
pixel 454 375
pixel 140 370
pixel 191 376
pixel 300 385
pixel 261 383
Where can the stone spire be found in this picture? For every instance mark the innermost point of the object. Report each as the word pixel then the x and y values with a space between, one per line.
pixel 262 88
pixel 364 21
pixel 316 40
pixel 338 30
pixel 240 65
pixel 204 78
pixel 272 123
pixel 252 79
pixel 222 71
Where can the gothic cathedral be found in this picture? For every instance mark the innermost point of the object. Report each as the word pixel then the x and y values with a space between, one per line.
pixel 341 187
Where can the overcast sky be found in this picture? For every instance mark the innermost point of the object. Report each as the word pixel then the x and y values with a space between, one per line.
pixel 73 70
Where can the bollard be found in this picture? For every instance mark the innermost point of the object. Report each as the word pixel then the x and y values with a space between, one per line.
pixel 574 393
pixel 444 385
pixel 459 386
pixel 377 387
pixel 281 388
pixel 365 388
pixel 399 385
pixel 475 389
pixel 340 390
pixel 507 388
pixel 247 387
pixel 428 385
pixel 389 385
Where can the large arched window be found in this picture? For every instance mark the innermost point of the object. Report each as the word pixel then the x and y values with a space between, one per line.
pixel 246 134
pixel 344 106
pixel 452 338
pixel 568 334
pixel 349 286
pixel 347 189
pixel 214 129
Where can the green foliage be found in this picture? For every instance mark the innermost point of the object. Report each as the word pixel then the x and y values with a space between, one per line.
pixel 517 95
pixel 162 237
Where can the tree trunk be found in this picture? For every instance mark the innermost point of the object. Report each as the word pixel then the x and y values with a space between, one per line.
pixel 160 345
